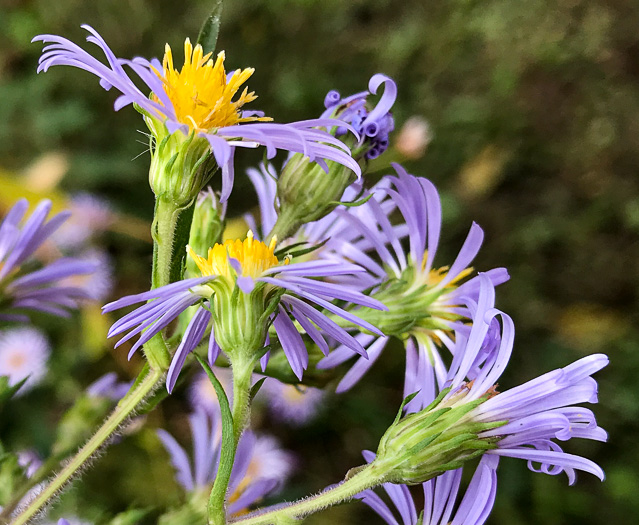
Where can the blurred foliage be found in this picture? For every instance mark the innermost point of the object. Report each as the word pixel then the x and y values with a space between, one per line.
pixel 534 109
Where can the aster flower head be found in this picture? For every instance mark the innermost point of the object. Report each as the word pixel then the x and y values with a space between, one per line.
pixel 244 288
pixel 22 285
pixel 532 416
pixel 193 113
pixel 261 466
pixel 24 353
pixel 425 303
pixel 307 194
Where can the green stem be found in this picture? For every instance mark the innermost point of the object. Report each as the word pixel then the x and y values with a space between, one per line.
pixel 286 224
pixel 125 408
pixel 237 422
pixel 369 476
pixel 242 373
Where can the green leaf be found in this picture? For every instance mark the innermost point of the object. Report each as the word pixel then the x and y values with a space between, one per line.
pixel 211 28
pixel 7 391
pixel 227 454
pixel 256 388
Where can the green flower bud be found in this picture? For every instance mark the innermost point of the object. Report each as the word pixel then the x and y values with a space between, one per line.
pixel 307 193
pixel 443 436
pixel 207 227
pixel 181 165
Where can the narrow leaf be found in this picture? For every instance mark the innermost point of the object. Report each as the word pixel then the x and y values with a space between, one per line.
pixel 211 28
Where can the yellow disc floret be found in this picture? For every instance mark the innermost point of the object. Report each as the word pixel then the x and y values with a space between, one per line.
pixel 201 93
pixel 255 257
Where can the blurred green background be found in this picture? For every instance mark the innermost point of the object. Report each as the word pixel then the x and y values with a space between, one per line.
pixel 533 109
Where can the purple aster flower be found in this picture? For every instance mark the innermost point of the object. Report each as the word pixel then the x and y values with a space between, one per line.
pixel 537 412
pixel 261 466
pixel 89 214
pixel 41 290
pixel 294 404
pixel 212 115
pixel 272 289
pixel 426 304
pixel 24 353
pixel 372 125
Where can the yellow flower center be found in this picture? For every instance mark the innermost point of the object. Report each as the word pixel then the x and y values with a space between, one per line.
pixel 201 93
pixel 437 275
pixel 255 257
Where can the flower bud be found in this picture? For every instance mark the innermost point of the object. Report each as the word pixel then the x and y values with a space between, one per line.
pixel 420 446
pixel 306 191
pixel 181 165
pixel 209 221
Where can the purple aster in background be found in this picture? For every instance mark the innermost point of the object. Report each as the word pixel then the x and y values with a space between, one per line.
pixel 274 290
pixel 89 214
pixel 202 394
pixel 24 352
pixel 22 285
pixel 211 116
pixel 425 303
pixel 30 461
pixel 98 284
pixel 294 404
pixel 260 468
pixel 108 386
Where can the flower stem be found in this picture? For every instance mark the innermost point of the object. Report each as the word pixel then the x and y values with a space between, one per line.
pixel 124 410
pixel 367 477
pixel 233 426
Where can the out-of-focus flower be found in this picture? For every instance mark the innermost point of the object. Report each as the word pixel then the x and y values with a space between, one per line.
pixel 413 138
pixel 294 404
pixel 246 276
pixel 30 461
pixel 89 214
pixel 202 394
pixel 260 468
pixel 108 386
pixel 192 113
pixel 98 284
pixel 22 287
pixel 24 352
pixel 425 303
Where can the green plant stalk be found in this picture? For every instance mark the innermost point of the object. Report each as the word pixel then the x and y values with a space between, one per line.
pixel 240 415
pixel 367 477
pixel 125 408
pixel 242 373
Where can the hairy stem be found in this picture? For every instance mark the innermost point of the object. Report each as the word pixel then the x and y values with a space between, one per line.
pixel 124 410
pixel 369 476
